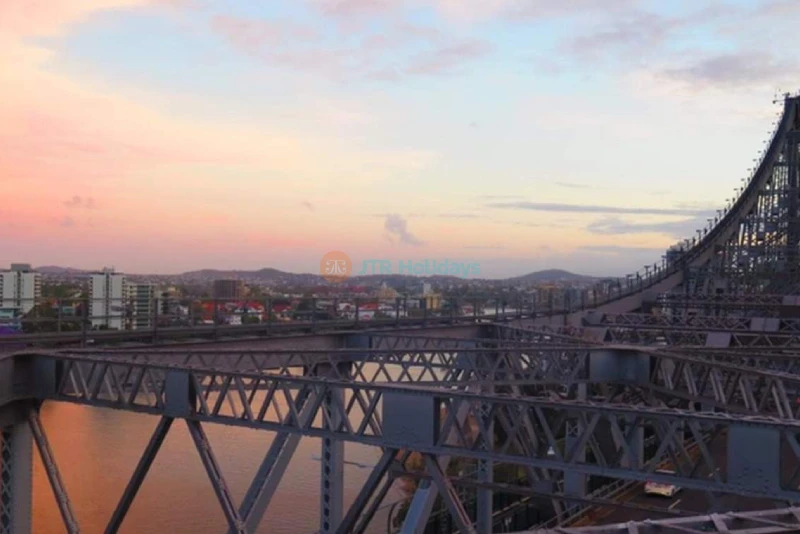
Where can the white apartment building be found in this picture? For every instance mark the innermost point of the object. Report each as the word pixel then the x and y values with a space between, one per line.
pixel 142 299
pixel 107 299
pixel 20 287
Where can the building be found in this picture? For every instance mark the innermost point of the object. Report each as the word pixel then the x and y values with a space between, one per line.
pixel 386 293
pixel 228 289
pixel 143 303
pixel 107 299
pixel 20 288
pixel 432 300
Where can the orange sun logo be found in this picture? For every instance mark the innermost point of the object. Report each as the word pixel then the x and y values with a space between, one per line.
pixel 335 267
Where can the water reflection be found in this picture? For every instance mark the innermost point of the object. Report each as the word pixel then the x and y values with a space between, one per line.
pixel 97 450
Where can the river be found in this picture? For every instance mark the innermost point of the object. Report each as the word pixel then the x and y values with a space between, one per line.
pixel 97 449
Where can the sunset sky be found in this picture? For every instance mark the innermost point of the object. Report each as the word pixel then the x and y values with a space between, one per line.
pixel 169 135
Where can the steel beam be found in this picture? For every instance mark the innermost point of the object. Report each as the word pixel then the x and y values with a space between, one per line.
pixel 51 468
pixel 421 505
pixel 358 515
pixel 449 495
pixel 270 473
pixel 485 496
pixel 139 474
pixel 203 447
pixel 332 462
pixel 752 522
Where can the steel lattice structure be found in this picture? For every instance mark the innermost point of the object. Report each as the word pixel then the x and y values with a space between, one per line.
pixel 691 367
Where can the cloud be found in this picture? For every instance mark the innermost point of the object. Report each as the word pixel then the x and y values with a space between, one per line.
pixel 635 34
pixel 570 185
pixel 257 36
pixel 541 9
pixel 80 202
pixel 735 71
pixel 619 249
pixel 639 32
pixel 355 8
pixel 486 247
pixel 459 216
pixel 470 12
pixel 400 49
pixel 446 59
pixel 66 222
pixel 682 229
pixel 74 202
pixel 498 197
pixel 549 224
pixel 588 208
pixel 308 205
pixel 397 226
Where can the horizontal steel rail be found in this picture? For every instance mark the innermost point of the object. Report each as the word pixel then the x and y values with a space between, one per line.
pixel 762 522
pixel 261 329
pixel 260 401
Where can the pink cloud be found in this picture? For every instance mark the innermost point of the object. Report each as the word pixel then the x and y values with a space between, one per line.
pixel 448 58
pixel 254 35
pixel 50 17
pixel 380 56
pixel 464 11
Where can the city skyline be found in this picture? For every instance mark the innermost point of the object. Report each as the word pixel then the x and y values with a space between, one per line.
pixel 522 135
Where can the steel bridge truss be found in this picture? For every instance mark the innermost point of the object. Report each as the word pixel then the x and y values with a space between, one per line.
pixel 559 441
pixel 652 333
pixel 734 381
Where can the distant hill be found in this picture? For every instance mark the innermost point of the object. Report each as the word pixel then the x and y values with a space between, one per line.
pixel 550 275
pixel 265 273
pixel 275 276
pixel 54 269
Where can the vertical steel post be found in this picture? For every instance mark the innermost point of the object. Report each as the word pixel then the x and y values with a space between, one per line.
pixel 575 484
pixel 485 498
pixel 331 508
pixel 16 475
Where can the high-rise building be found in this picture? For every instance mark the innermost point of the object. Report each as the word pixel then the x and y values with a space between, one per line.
pixel 143 304
pixel 20 288
pixel 107 299
pixel 228 289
